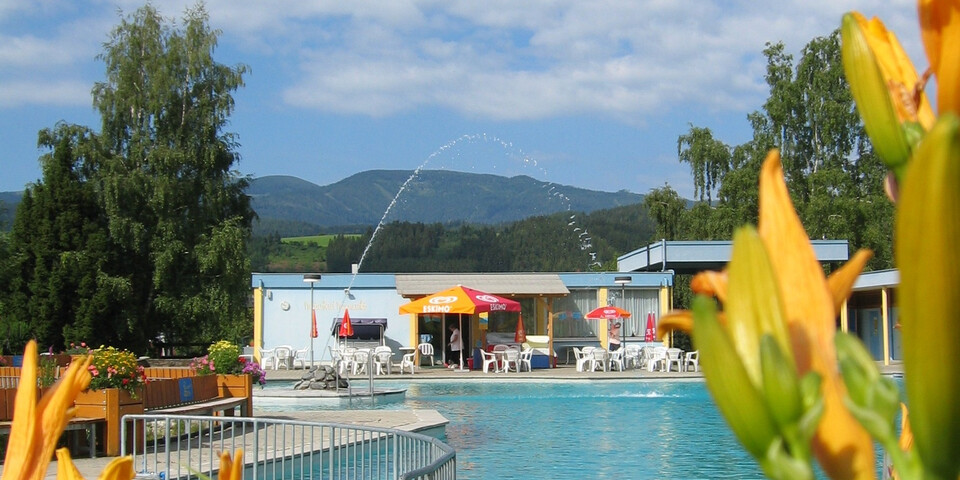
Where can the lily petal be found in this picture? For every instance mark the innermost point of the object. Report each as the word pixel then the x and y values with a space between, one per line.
pixel 66 470
pixel 231 469
pixel 940 29
pixel 844 448
pixel 677 320
pixel 842 279
pixel 927 233
pixel 710 283
pixel 24 444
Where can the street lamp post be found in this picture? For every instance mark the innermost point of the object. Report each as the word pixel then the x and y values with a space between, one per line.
pixel 311 278
pixel 623 281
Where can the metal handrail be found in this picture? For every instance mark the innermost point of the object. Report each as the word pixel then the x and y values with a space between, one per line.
pixel 182 446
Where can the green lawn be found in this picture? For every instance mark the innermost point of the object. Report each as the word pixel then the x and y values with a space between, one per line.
pixel 318 240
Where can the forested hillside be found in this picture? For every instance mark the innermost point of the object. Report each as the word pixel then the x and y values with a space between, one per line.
pixel 561 242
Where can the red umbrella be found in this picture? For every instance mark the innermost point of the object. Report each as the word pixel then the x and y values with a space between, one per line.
pixel 651 334
pixel 609 312
pixel 313 329
pixel 521 335
pixel 346 328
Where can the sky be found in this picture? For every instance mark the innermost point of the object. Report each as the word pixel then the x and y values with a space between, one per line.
pixel 592 94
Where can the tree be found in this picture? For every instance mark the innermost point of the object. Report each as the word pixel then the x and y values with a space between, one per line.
pixel 834 178
pixel 176 210
pixel 59 285
pixel 667 209
pixel 709 160
pixel 139 230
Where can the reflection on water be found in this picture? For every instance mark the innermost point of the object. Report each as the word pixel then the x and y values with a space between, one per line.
pixel 577 430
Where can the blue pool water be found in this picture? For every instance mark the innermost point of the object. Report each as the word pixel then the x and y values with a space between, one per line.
pixel 576 430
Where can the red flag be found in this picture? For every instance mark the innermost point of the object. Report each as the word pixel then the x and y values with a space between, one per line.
pixel 346 328
pixel 651 334
pixel 313 329
pixel 521 335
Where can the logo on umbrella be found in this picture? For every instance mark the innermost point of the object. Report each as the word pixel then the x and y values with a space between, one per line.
pixel 488 298
pixel 443 300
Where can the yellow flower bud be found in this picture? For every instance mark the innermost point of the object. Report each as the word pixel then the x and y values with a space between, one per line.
pixel 928 233
pixel 869 88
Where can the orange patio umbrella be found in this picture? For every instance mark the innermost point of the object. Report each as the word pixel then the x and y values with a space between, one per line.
pixel 461 300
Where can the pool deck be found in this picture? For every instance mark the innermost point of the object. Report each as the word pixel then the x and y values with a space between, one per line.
pixel 421 420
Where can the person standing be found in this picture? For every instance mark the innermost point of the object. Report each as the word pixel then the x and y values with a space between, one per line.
pixel 613 339
pixel 455 346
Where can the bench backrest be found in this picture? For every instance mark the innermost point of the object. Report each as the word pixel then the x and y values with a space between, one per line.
pixel 171 392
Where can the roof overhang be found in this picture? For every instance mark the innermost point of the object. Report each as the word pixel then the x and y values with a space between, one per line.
pixel 695 256
pixel 504 284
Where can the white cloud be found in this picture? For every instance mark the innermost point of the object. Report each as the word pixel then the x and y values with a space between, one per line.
pixel 498 59
pixel 45 93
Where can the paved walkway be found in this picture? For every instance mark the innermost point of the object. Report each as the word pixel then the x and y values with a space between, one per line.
pixel 419 420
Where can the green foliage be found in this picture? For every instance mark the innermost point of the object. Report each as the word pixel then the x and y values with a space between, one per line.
pixel 222 357
pixel 47 371
pixel 140 230
pixel 834 178
pixel 541 243
pixel 666 209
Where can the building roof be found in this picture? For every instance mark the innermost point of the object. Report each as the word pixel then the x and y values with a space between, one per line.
pixel 877 279
pixel 515 284
pixel 695 256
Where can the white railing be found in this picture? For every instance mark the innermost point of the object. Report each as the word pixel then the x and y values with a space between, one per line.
pixel 176 446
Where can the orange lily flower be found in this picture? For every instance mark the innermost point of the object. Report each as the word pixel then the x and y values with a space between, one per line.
pixel 808 303
pixel 37 426
pixel 231 469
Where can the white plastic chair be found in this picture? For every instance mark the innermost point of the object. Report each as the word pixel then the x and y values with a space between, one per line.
pixel 300 356
pixel 426 351
pixel 511 356
pixel 598 358
pixel 615 359
pixel 360 359
pixel 407 361
pixel 499 352
pixel 526 358
pixel 382 356
pixel 347 359
pixel 282 357
pixel 692 359
pixel 658 358
pixel 267 355
pixel 583 357
pixel 674 356
pixel 488 359
pixel 631 356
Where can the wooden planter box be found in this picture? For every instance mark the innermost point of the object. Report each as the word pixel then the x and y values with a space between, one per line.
pixel 110 404
pixel 237 386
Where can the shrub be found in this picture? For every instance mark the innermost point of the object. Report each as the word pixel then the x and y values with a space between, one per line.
pixel 112 368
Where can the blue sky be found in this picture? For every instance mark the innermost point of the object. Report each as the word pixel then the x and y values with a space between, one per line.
pixel 591 94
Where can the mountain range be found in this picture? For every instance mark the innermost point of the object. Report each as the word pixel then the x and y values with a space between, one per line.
pixel 291 206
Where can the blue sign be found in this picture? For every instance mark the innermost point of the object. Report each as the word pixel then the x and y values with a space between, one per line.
pixel 186 390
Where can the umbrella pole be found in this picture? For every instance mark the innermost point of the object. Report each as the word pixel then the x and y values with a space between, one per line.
pixel 462 345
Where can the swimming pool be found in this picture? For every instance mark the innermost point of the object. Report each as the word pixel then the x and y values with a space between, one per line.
pixel 575 430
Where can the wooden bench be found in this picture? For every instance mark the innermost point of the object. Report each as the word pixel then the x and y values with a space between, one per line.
pixel 191 396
